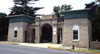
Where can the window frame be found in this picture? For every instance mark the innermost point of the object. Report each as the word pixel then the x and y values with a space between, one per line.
pixel 75 27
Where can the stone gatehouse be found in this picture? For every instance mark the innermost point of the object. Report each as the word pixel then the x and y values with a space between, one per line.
pixel 76 29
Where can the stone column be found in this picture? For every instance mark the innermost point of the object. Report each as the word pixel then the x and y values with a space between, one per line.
pixel 20 35
pixel 37 36
pixel 55 35
pixel 54 31
pixel 10 35
pixel 37 30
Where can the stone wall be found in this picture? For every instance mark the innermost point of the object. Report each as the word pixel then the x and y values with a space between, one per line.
pixel 22 26
pixel 94 45
pixel 84 34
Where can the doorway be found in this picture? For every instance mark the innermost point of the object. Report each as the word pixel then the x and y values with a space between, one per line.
pixel 46 36
pixel 33 36
pixel 59 35
pixel 25 36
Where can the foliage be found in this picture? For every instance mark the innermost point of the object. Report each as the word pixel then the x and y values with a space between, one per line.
pixel 96 25
pixel 23 8
pixel 2 14
pixel 98 1
pixel 57 11
pixel 20 10
pixel 95 20
pixel 17 10
pixel 92 6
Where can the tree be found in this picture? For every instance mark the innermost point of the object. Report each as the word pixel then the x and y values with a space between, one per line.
pixel 2 15
pixel 57 11
pixel 95 20
pixel 96 25
pixel 98 1
pixel 23 8
pixel 66 7
pixel 92 6
pixel 4 22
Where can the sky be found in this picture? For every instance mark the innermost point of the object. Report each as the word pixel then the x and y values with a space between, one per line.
pixel 48 5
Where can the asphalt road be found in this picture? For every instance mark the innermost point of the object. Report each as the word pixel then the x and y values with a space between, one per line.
pixel 17 49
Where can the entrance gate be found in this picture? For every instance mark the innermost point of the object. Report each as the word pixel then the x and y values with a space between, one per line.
pixel 46 33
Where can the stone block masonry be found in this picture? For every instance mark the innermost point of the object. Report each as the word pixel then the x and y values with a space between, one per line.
pixel 94 45
pixel 83 37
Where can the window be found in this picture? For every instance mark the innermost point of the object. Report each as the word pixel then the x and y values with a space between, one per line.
pixel 15 32
pixel 75 32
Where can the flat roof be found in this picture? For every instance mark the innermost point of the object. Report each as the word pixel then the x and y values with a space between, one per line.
pixel 83 13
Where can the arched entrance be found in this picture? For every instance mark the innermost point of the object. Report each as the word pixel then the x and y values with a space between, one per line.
pixel 46 33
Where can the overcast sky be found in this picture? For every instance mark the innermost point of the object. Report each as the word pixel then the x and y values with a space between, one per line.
pixel 47 4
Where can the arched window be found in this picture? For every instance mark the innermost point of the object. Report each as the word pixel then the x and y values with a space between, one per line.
pixel 15 32
pixel 75 32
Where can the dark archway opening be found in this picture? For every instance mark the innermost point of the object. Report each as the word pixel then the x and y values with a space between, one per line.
pixel 46 34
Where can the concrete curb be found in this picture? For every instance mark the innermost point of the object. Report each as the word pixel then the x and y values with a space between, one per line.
pixel 53 47
pixel 84 51
pixel 75 50
pixel 9 43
